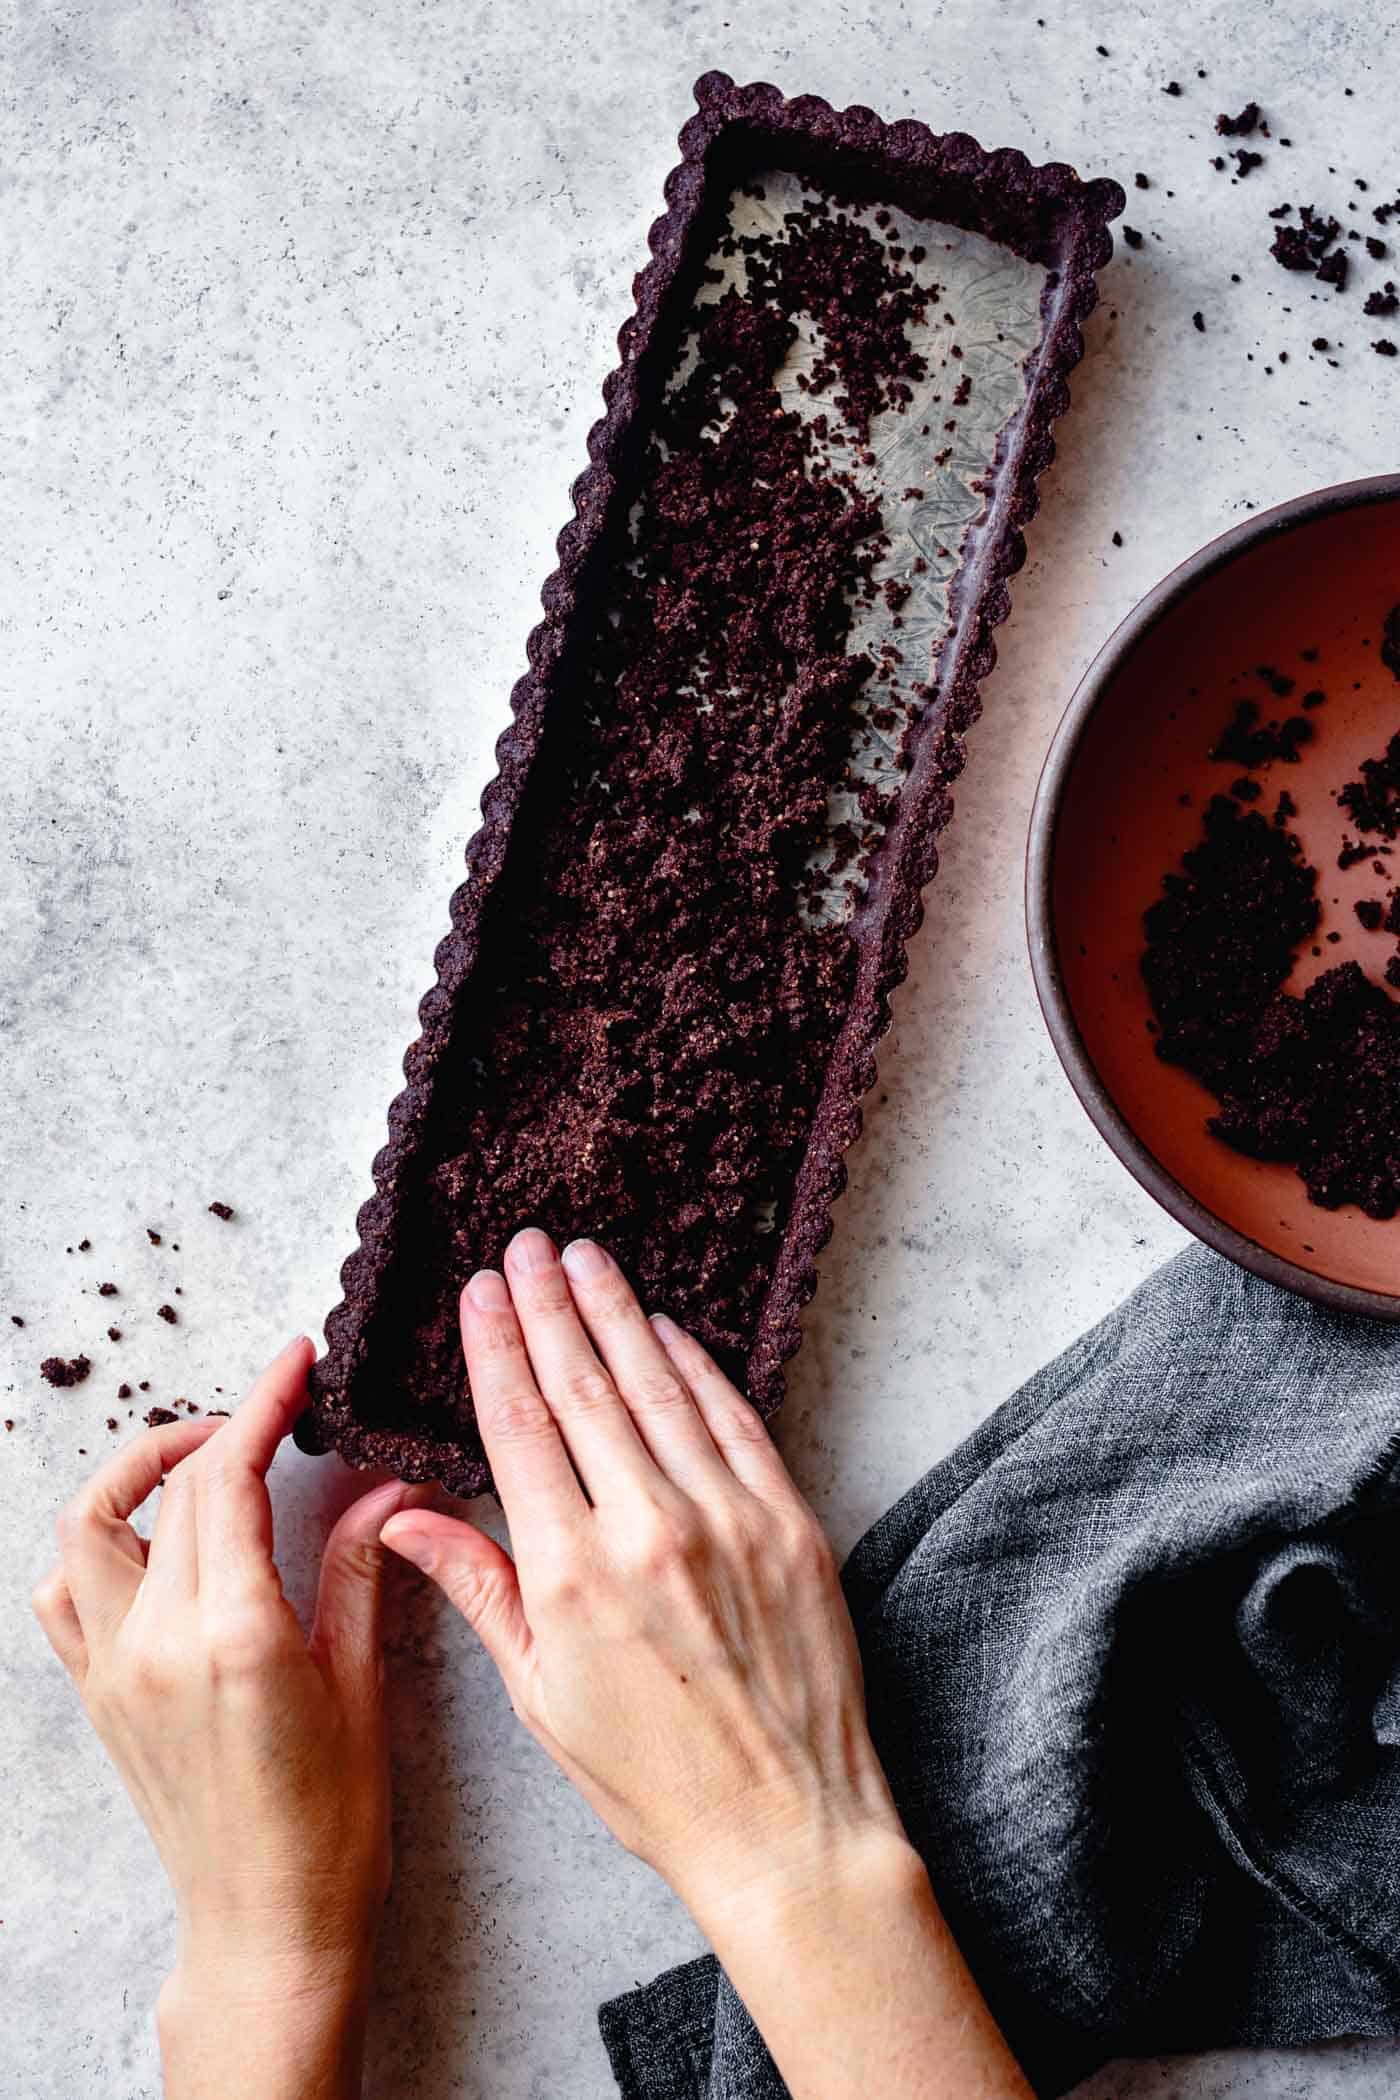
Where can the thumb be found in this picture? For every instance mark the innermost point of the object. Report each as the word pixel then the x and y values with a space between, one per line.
pixel 349 1600
pixel 473 1573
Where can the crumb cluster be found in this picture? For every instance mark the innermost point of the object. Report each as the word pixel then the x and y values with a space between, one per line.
pixel 1313 1079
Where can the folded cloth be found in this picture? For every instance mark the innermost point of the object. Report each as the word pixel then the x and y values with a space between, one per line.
pixel 1132 1661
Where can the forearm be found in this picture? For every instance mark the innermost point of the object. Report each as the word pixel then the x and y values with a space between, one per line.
pixel 293 2039
pixel 853 1980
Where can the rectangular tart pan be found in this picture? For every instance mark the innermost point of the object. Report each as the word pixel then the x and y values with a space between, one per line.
pixel 592 1059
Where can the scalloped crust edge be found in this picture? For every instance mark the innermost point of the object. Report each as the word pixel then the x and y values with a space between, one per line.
pixel 1047 212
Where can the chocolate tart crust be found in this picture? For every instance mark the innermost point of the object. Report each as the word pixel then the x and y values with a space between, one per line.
pixel 1045 214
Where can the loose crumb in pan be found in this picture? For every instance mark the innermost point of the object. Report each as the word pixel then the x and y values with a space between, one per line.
pixel 157 1417
pixel 167 1313
pixel 652 1031
pixel 222 1210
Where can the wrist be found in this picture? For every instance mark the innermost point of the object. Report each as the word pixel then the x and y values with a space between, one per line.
pixel 792 1890
pixel 278 2022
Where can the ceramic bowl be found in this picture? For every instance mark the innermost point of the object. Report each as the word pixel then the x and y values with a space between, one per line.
pixel 1120 800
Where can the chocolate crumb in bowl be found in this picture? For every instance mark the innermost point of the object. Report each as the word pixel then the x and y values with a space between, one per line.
pixel 1245 741
pixel 222 1210
pixel 16 1320
pixel 106 1290
pixel 167 1313
pixel 61 1371
pixel 157 1417
pixel 1259 1097
pixel 659 1004
pixel 1390 641
pixel 1373 801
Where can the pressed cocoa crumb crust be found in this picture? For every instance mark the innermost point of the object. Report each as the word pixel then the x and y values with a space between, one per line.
pixel 658 1011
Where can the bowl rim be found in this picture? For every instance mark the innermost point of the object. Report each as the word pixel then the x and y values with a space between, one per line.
pixel 1046 810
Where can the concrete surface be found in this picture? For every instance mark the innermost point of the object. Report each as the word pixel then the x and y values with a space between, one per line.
pixel 306 308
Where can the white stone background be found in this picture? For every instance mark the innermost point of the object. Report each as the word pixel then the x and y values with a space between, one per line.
pixel 305 312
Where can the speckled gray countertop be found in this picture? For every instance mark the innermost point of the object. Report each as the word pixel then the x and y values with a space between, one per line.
pixel 306 308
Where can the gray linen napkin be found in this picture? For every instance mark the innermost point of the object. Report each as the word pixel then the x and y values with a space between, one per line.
pixel 1133 1666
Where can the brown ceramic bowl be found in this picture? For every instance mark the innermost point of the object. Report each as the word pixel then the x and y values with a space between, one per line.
pixel 1319 573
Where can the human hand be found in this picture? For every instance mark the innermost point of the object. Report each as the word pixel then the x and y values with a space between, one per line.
pixel 256 1757
pixel 673 1630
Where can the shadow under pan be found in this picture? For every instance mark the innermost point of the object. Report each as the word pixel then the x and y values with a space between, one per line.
pixel 1121 800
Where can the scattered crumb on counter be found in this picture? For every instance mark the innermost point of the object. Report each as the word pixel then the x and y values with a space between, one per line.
pixel 60 1371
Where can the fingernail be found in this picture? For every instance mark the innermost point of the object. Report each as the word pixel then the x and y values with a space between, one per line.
pixel 585 1259
pixel 409 1544
pixel 487 1291
pixel 532 1251
pixel 666 1329
pixel 400 1497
